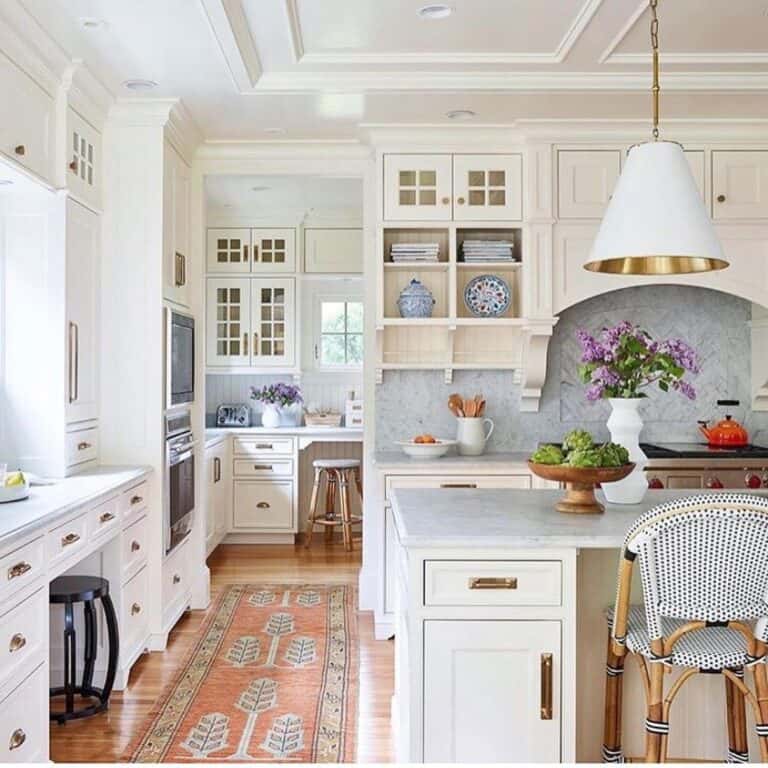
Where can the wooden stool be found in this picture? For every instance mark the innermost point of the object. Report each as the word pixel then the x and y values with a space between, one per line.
pixel 337 474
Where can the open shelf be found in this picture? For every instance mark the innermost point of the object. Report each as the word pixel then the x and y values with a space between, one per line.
pixel 435 280
pixel 421 266
pixel 395 235
pixel 511 274
pixel 482 346
pixel 515 235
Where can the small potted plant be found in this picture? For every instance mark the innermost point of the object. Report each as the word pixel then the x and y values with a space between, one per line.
pixel 276 399
pixel 618 365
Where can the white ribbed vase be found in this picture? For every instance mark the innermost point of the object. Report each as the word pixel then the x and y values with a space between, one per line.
pixel 625 426
pixel 270 417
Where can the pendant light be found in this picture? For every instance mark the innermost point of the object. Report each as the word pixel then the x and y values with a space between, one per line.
pixel 656 222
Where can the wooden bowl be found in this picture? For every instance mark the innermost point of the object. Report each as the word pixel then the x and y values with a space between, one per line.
pixel 580 483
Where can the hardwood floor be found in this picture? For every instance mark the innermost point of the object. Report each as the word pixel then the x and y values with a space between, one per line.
pixel 105 737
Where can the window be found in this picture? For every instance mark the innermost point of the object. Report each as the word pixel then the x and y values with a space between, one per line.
pixel 340 343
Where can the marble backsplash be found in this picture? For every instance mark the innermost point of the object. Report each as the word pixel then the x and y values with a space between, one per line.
pixel 715 324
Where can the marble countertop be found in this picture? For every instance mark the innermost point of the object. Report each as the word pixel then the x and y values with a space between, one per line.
pixel 396 460
pixel 47 503
pixel 213 435
pixel 485 519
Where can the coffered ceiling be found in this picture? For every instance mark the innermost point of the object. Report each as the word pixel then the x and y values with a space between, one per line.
pixel 319 69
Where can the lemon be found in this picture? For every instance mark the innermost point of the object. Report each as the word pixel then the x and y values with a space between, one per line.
pixel 14 478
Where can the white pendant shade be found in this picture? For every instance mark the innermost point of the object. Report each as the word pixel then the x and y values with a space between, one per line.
pixel 656 222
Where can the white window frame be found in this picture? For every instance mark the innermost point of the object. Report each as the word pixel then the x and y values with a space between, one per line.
pixel 317 330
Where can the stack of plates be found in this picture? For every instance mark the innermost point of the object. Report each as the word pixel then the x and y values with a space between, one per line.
pixel 414 252
pixel 487 250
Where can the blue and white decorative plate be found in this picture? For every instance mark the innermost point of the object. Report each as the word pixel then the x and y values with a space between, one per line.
pixel 487 296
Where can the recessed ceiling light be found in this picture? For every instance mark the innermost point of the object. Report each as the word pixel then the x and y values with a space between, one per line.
pixel 259 189
pixel 274 131
pixel 435 11
pixel 91 22
pixel 460 114
pixel 139 84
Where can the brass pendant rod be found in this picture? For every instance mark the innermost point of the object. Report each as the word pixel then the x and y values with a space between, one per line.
pixel 655 48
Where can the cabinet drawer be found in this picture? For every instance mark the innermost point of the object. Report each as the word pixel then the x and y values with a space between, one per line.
pixel 134 545
pixel 522 480
pixel 176 583
pixel 103 519
pixel 82 446
pixel 263 446
pixel 23 634
pixel 492 582
pixel 133 502
pixel 67 539
pixel 263 468
pixel 24 721
pixel 21 566
pixel 135 615
pixel 259 506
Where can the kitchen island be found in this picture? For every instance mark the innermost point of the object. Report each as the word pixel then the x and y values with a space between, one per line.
pixel 498 613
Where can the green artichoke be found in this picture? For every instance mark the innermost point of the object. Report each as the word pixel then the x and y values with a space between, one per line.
pixel 584 458
pixel 613 455
pixel 548 454
pixel 577 440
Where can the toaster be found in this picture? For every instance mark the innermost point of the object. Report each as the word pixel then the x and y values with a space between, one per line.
pixel 237 415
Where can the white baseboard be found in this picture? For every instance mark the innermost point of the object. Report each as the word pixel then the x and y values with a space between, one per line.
pixel 259 538
pixel 383 627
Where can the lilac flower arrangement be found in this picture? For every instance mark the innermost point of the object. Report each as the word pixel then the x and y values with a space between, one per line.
pixel 624 360
pixel 279 394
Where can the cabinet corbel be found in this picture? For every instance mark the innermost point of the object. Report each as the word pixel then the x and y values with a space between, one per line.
pixel 534 373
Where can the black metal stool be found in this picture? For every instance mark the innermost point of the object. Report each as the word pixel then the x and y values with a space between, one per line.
pixel 68 590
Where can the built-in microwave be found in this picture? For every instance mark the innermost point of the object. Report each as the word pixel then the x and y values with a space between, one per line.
pixel 180 359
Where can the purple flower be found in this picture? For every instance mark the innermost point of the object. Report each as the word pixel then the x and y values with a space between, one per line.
pixel 277 394
pixel 684 388
pixel 595 392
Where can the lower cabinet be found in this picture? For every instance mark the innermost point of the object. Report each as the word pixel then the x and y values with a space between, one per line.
pixel 263 506
pixel 217 497
pixel 491 691
pixel 176 587
pixel 24 720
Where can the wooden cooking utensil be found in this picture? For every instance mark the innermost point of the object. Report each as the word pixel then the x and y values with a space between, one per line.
pixel 481 406
pixel 470 408
pixel 455 405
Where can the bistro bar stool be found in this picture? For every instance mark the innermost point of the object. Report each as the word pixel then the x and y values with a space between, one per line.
pixel 338 474
pixel 68 590
pixel 704 575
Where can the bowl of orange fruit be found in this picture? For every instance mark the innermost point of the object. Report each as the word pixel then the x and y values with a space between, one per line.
pixel 426 446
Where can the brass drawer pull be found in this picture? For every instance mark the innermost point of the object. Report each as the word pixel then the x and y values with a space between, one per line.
pixel 135 546
pixel 263 446
pixel 458 485
pixel 18 641
pixel 546 686
pixel 83 446
pixel 135 608
pixel 493 582
pixel 721 198
pixel 136 500
pixel 106 517
pixel 18 570
pixel 262 505
pixel 70 538
pixel 176 578
pixel 216 469
pixel 20 150
pixel 264 467
pixel 18 737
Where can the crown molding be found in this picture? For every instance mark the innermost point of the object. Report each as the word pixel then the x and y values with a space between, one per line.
pixel 720 57
pixel 624 31
pixel 569 39
pixel 86 94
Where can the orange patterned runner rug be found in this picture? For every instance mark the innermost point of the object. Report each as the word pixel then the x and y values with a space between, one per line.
pixel 272 677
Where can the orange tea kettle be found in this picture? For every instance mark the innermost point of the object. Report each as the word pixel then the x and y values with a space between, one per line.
pixel 727 432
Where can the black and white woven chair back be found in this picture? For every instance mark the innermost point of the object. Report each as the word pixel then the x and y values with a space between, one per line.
pixel 704 558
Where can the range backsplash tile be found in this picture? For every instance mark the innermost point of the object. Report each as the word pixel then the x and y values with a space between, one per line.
pixel 716 324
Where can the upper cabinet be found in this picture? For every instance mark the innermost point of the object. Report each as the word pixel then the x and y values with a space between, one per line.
pixel 176 235
pixel 27 128
pixel 453 187
pixel 231 251
pixel 333 250
pixel 586 178
pixel 83 160
pixel 739 184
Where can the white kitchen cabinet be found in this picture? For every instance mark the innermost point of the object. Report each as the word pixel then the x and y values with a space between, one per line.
pixel 487 187
pixel 585 181
pixel 176 234
pixel 739 184
pixel 82 312
pixel 218 489
pixel 228 251
pixel 491 691
pixel 263 506
pixel 228 304
pixel 83 160
pixel 418 187
pixel 27 128
pixel 274 250
pixel 272 323
pixel 333 250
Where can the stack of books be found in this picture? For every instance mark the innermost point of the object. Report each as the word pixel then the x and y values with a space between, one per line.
pixel 477 251
pixel 414 252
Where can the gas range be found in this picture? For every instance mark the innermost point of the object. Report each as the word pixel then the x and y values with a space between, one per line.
pixel 697 465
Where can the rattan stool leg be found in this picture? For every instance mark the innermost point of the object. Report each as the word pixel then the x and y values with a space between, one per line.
pixel 346 523
pixel 313 507
pixel 330 502
pixel 761 691
pixel 614 677
pixel 654 722
pixel 358 483
pixel 738 750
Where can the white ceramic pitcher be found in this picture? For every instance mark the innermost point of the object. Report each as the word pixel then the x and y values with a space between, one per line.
pixel 471 435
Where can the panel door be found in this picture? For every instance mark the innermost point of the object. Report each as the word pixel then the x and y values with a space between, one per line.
pixel 274 250
pixel 176 236
pixel 272 324
pixel 228 330
pixel 417 187
pixel 487 187
pixel 586 179
pixel 263 506
pixel 695 158
pixel 82 313
pixel 228 251
pixel 485 691
pixel 83 159
pixel 333 250
pixel 739 184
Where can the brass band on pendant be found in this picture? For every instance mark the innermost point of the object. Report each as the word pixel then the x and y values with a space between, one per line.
pixel 656 265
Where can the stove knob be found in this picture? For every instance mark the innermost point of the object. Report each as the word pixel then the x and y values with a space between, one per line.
pixel 714 483
pixel 655 484
pixel 765 479
pixel 753 481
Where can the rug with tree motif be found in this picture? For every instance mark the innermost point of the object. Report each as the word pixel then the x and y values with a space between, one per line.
pixel 272 677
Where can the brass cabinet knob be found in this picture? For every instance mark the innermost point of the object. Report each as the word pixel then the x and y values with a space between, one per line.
pixel 20 150
pixel 721 198
pixel 446 200
pixel 18 737
pixel 18 641
pixel 135 546
pixel 135 608
pixel 461 201
pixel 73 166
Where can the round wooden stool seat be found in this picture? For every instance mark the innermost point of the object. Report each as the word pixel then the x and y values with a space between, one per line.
pixel 336 463
pixel 77 589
